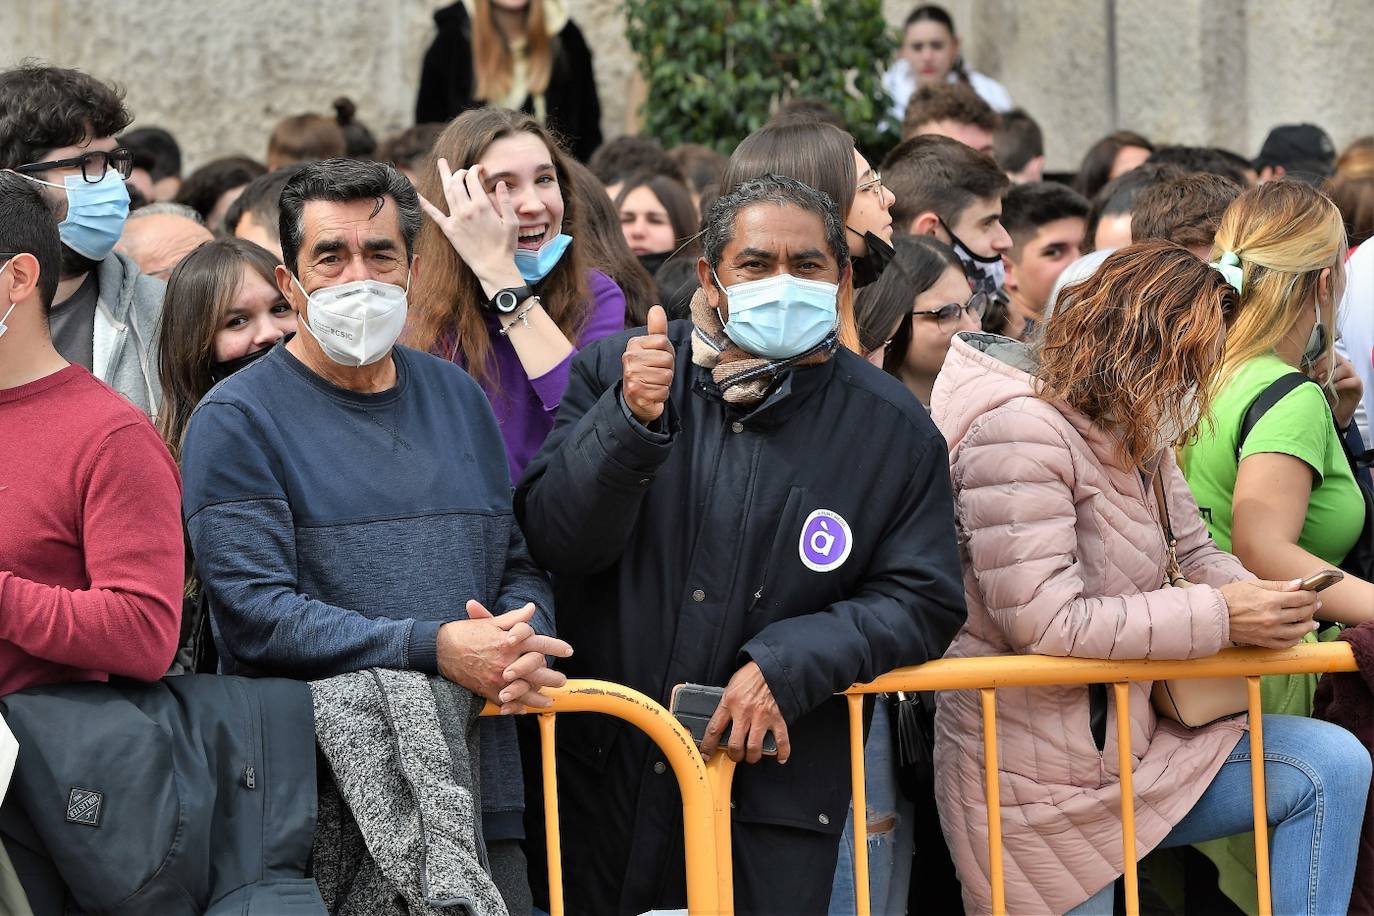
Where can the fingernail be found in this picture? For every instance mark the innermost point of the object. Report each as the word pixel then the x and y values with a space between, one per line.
pixel 1319 604
pixel 1295 582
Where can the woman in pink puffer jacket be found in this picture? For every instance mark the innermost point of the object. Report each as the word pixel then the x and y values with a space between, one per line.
pixel 1053 454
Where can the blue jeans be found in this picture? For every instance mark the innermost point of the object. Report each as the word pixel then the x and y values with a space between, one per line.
pixel 890 847
pixel 1316 777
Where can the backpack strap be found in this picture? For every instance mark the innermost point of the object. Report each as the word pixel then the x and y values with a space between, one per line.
pixel 1278 389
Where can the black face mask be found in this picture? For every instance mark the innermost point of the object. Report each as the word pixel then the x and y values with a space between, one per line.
pixel 219 371
pixel 869 267
pixel 985 272
pixel 652 262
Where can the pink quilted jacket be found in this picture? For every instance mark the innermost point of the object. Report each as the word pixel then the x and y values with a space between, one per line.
pixel 1063 555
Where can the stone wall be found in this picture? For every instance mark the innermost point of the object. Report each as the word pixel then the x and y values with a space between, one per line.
pixel 220 74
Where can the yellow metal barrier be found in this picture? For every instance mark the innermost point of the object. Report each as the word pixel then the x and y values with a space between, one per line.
pixel 706 786
pixel 705 817
pixel 987 674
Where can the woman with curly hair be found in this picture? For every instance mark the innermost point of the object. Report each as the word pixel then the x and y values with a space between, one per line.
pixel 1065 485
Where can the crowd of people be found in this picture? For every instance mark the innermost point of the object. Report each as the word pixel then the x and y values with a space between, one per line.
pixel 303 460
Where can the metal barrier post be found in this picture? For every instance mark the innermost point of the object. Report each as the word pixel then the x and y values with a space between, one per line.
pixel 720 770
pixel 994 800
pixel 1258 800
pixel 862 904
pixel 1121 690
pixel 552 835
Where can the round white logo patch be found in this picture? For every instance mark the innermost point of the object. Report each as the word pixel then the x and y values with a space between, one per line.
pixel 825 541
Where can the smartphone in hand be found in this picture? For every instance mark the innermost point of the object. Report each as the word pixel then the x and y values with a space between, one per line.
pixel 694 704
pixel 1320 580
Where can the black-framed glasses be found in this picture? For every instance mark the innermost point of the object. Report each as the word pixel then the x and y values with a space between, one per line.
pixel 93 165
pixel 948 316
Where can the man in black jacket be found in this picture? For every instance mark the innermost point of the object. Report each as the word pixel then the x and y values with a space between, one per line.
pixel 772 514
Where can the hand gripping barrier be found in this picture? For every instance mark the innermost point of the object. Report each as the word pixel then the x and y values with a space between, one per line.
pixel 705 786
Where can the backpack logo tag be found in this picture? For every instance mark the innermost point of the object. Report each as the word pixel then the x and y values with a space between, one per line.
pixel 83 807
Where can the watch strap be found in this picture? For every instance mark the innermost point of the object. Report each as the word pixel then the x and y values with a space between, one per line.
pixel 507 300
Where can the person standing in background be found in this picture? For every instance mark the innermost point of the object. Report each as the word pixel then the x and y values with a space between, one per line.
pixel 523 54
pixel 930 55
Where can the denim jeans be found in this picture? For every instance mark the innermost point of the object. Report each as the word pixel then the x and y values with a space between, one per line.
pixel 890 846
pixel 1316 777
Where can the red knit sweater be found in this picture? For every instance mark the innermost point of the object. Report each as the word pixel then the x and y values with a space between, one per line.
pixel 91 548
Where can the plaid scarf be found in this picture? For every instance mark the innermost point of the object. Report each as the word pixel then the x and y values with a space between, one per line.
pixel 743 378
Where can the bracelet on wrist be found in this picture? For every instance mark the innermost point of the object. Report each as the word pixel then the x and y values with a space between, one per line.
pixel 521 316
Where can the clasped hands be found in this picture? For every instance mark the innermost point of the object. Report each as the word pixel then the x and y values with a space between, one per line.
pixel 501 657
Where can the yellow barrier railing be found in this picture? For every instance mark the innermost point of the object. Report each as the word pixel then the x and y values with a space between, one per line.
pixel 706 786
pixel 704 817
pixel 989 673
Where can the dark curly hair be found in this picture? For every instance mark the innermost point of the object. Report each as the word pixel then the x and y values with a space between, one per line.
pixel 44 108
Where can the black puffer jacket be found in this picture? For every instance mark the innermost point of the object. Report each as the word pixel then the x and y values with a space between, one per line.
pixel 448 83
pixel 191 795
pixel 680 557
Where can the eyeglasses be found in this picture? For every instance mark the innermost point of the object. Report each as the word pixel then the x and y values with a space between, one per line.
pixel 948 316
pixel 94 164
pixel 874 184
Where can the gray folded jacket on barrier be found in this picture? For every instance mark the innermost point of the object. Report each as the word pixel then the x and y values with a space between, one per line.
pixel 399 827
pixel 190 795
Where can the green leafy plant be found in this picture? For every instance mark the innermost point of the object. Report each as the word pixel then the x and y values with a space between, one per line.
pixel 717 69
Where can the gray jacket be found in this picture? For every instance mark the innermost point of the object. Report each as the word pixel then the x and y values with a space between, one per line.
pixel 399 828
pixel 128 308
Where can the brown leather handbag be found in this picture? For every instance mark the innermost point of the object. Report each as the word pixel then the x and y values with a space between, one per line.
pixel 1193 702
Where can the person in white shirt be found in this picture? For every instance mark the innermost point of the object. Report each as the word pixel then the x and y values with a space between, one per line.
pixel 930 54
pixel 1356 340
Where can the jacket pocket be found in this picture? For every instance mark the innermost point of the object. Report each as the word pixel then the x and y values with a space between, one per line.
pixel 786 536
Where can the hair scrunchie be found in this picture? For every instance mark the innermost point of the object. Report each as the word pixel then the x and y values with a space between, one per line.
pixel 1228 265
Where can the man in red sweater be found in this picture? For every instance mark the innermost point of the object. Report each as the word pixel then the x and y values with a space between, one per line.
pixel 91 555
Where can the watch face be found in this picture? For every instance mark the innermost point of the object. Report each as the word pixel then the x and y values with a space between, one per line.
pixel 506 301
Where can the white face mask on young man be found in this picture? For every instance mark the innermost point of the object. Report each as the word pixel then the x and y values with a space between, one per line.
pixel 9 307
pixel 356 323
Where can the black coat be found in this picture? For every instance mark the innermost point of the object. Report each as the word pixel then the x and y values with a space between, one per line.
pixel 679 560
pixel 448 82
pixel 191 795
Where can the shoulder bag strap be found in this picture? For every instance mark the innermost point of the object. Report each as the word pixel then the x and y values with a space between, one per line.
pixel 1278 389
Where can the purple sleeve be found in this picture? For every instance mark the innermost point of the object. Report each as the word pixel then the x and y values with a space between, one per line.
pixel 607 318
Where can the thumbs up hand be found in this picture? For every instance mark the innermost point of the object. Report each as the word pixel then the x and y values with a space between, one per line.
pixel 648 369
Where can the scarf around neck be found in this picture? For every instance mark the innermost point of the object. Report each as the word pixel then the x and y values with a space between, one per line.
pixel 743 378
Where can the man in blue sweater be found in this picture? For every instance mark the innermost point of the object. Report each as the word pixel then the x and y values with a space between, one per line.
pixel 348 499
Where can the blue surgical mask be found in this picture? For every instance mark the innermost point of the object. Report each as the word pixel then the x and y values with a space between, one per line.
pixel 780 317
pixel 96 212
pixel 536 265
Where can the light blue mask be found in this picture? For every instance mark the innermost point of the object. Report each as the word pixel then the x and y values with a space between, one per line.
pixel 782 316
pixel 96 212
pixel 536 265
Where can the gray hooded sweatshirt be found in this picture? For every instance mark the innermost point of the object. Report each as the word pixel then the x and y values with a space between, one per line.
pixel 127 311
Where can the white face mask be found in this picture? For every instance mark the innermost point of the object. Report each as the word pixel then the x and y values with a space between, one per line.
pixel 355 323
pixel 5 317
pixel 1170 432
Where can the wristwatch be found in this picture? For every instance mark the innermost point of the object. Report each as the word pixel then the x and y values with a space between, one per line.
pixel 505 300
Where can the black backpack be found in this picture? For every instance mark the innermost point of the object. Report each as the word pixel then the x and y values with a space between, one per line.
pixel 1359 561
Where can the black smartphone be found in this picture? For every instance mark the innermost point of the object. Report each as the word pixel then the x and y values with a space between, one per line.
pixel 1320 580
pixel 694 704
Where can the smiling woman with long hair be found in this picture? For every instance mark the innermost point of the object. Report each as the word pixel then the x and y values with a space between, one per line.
pixel 1079 538
pixel 502 287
